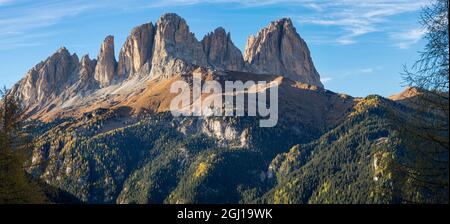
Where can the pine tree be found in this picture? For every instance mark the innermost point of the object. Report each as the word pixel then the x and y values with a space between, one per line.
pixel 15 185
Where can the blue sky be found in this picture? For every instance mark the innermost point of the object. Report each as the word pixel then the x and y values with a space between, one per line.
pixel 358 46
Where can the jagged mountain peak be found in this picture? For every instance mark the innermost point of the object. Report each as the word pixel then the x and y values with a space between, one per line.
pixel 279 49
pixel 176 49
pixel 47 79
pixel 136 54
pixel 170 16
pixel 286 21
pixel 279 25
pixel 62 49
pixel 221 52
pixel 105 71
pixel 87 68
pixel 60 53
pixel 162 50
pixel 85 58
pixel 220 30
pixel 138 29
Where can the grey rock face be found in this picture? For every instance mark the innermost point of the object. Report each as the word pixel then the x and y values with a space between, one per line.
pixel 176 50
pixel 105 71
pixel 279 49
pixel 161 51
pixel 48 78
pixel 87 70
pixel 136 54
pixel 221 52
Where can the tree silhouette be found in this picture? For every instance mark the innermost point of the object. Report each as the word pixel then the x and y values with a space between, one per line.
pixel 428 168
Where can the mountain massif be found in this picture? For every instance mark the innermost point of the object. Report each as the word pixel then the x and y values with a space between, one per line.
pixel 103 131
pixel 158 51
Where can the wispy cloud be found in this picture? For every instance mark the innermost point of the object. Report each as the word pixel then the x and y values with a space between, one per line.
pixel 325 79
pixel 366 70
pixel 13 40
pixel 354 18
pixel 357 72
pixel 407 38
pixel 360 17
pixel 20 21
pixel 3 2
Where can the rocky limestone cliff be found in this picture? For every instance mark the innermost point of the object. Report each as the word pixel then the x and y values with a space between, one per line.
pixel 221 52
pixel 47 79
pixel 136 54
pixel 279 49
pixel 159 51
pixel 105 71
pixel 87 70
pixel 176 50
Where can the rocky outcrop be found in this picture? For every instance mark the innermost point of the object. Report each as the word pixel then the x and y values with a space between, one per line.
pixel 87 70
pixel 47 79
pixel 279 49
pixel 136 54
pixel 176 50
pixel 221 52
pixel 105 71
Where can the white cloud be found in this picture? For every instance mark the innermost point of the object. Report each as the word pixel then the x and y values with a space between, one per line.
pixel 366 70
pixel 20 23
pixel 2 2
pixel 345 41
pixel 325 79
pixel 358 71
pixel 360 17
pixel 407 38
pixel 354 18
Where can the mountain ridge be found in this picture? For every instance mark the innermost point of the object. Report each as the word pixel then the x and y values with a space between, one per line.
pixel 157 51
